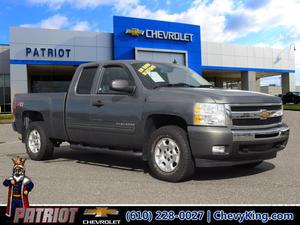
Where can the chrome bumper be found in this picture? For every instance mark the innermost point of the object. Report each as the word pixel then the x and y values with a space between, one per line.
pixel 260 134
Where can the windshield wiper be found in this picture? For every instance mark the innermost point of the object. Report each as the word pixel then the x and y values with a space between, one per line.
pixel 183 85
pixel 175 85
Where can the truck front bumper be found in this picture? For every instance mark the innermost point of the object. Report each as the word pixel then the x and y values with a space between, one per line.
pixel 241 146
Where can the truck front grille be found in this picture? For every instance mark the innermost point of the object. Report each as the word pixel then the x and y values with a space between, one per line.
pixel 255 122
pixel 236 108
pixel 255 116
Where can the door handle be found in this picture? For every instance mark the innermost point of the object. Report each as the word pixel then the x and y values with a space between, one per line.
pixel 98 103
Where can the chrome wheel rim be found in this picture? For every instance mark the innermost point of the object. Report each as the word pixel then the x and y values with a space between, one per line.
pixel 34 141
pixel 167 155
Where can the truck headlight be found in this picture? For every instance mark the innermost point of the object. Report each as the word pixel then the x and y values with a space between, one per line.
pixel 209 114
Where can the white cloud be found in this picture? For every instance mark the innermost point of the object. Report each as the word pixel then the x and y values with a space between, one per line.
pixel 61 22
pixel 54 4
pixel 82 4
pixel 226 20
pixel 211 16
pixel 81 26
pixel 97 3
pixel 54 22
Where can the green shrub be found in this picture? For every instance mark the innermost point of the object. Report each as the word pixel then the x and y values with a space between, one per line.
pixel 6 117
pixel 292 107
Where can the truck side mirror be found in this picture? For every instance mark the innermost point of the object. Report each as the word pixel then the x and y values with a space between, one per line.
pixel 122 86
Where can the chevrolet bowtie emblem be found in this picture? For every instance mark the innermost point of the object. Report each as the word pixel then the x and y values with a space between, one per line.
pixel 101 212
pixel 134 32
pixel 264 114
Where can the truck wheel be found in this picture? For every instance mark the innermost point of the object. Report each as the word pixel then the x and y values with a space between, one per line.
pixel 169 152
pixel 38 145
pixel 248 165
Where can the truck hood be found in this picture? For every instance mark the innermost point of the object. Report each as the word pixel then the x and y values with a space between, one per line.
pixel 223 95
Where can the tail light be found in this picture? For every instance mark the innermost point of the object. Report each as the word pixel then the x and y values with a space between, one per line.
pixel 17 104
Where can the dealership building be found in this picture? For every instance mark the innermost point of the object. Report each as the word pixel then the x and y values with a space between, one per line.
pixel 43 60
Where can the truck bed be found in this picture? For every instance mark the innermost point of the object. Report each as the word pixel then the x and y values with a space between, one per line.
pixel 52 108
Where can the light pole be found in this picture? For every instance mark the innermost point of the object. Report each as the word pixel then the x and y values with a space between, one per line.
pixel 292 46
pixel 287 79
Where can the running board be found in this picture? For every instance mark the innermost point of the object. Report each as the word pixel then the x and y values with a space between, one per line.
pixel 107 150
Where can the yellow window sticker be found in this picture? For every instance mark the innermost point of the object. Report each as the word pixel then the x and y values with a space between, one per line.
pixel 146 65
pixel 146 69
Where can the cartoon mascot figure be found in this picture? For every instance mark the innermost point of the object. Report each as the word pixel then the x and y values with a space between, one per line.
pixel 19 187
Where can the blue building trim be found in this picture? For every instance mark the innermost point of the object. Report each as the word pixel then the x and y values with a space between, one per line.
pixel 48 62
pixel 246 69
pixel 124 44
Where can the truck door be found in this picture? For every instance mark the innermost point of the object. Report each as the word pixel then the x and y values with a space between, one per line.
pixel 114 115
pixel 78 103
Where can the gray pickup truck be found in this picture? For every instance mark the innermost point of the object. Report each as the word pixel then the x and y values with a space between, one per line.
pixel 165 111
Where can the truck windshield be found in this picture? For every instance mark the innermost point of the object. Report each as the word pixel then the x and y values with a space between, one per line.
pixel 154 75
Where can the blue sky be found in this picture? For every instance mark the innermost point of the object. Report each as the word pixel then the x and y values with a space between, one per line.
pixel 270 23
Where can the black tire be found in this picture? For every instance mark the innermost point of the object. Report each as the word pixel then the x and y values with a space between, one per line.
pixel 185 167
pixel 46 146
pixel 248 165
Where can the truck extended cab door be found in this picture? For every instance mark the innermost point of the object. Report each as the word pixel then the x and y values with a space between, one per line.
pixel 78 104
pixel 115 115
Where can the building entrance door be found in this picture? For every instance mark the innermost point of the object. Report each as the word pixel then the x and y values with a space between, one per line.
pixel 161 56
pixel 44 78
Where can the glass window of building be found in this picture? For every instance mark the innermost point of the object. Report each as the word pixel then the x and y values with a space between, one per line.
pixel 5 103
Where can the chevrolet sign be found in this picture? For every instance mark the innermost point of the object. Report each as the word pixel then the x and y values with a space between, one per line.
pixel 159 34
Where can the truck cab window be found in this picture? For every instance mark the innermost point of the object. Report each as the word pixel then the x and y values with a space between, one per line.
pixel 110 74
pixel 86 80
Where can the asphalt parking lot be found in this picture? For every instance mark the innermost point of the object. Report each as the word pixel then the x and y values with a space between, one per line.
pixel 96 177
